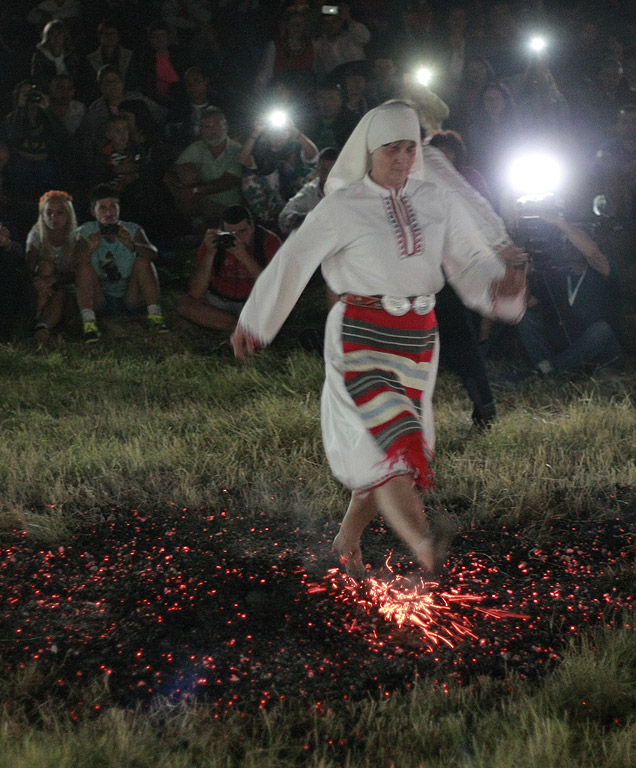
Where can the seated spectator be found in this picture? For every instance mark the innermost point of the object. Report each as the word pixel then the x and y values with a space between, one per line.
pixel 115 273
pixel 184 119
pixel 276 161
pixel 121 160
pixel 574 317
pixel 110 51
pixel 114 93
pixel 291 54
pixel 53 55
pixel 228 264
pixel 63 106
pixel 36 146
pixel 206 177
pixel 13 285
pixel 308 197
pixel 327 126
pixel 51 259
pixel 342 40
pixel 160 65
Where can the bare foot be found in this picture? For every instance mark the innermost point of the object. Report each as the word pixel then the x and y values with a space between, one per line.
pixel 350 557
pixel 444 528
pixel 425 554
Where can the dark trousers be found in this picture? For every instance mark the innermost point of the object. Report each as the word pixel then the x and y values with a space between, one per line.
pixel 460 353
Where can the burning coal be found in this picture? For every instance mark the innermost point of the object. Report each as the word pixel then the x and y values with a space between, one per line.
pixel 245 610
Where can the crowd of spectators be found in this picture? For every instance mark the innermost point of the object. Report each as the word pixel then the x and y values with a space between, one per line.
pixel 169 101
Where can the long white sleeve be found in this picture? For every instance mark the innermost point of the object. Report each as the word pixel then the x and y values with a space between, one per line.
pixel 472 266
pixel 280 285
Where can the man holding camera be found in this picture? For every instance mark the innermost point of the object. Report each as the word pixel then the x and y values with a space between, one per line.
pixel 574 315
pixel 115 273
pixel 229 261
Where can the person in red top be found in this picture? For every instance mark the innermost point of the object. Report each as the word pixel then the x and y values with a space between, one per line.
pixel 228 263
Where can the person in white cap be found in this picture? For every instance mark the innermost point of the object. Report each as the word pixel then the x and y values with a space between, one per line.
pixel 386 239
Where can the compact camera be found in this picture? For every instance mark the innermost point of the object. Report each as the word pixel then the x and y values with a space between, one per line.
pixel 330 10
pixel 34 96
pixel 225 240
pixel 109 229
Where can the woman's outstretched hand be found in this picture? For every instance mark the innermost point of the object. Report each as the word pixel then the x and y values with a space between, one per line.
pixel 242 343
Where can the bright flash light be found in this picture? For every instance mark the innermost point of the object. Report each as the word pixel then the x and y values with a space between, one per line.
pixel 538 44
pixel 278 118
pixel 424 75
pixel 536 175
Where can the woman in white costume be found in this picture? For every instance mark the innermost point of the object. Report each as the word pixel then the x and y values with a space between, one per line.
pixel 386 239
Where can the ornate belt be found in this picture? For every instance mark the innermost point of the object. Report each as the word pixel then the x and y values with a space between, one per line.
pixel 394 305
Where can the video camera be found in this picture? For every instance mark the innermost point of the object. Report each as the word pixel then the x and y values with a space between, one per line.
pixel 534 179
pixel 533 234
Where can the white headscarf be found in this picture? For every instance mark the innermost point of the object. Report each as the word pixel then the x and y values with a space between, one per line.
pixel 391 121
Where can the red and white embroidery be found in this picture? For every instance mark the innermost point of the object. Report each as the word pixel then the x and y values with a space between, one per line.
pixel 404 224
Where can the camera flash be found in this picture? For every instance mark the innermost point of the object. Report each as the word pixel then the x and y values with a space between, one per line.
pixel 424 75
pixel 278 118
pixel 538 44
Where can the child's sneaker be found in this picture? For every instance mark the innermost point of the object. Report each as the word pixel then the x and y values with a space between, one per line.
pixel 91 332
pixel 156 323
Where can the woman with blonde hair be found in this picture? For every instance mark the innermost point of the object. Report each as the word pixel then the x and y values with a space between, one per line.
pixel 51 259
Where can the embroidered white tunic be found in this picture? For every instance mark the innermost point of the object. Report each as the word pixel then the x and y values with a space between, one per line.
pixel 370 240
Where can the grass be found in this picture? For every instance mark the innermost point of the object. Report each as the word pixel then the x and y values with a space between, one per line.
pixel 145 422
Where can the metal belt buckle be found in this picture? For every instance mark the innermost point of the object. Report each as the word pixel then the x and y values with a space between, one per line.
pixel 422 305
pixel 396 305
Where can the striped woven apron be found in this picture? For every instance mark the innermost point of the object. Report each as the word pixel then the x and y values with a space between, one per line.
pixel 387 367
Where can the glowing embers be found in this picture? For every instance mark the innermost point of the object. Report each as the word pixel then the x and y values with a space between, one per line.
pixel 246 609
pixel 423 614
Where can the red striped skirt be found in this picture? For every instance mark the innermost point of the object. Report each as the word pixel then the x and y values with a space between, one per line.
pixel 388 364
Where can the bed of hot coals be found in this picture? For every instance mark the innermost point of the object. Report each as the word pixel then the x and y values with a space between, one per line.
pixel 245 610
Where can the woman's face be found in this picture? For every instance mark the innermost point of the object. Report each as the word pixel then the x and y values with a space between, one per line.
pixel 55 215
pixel 392 163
